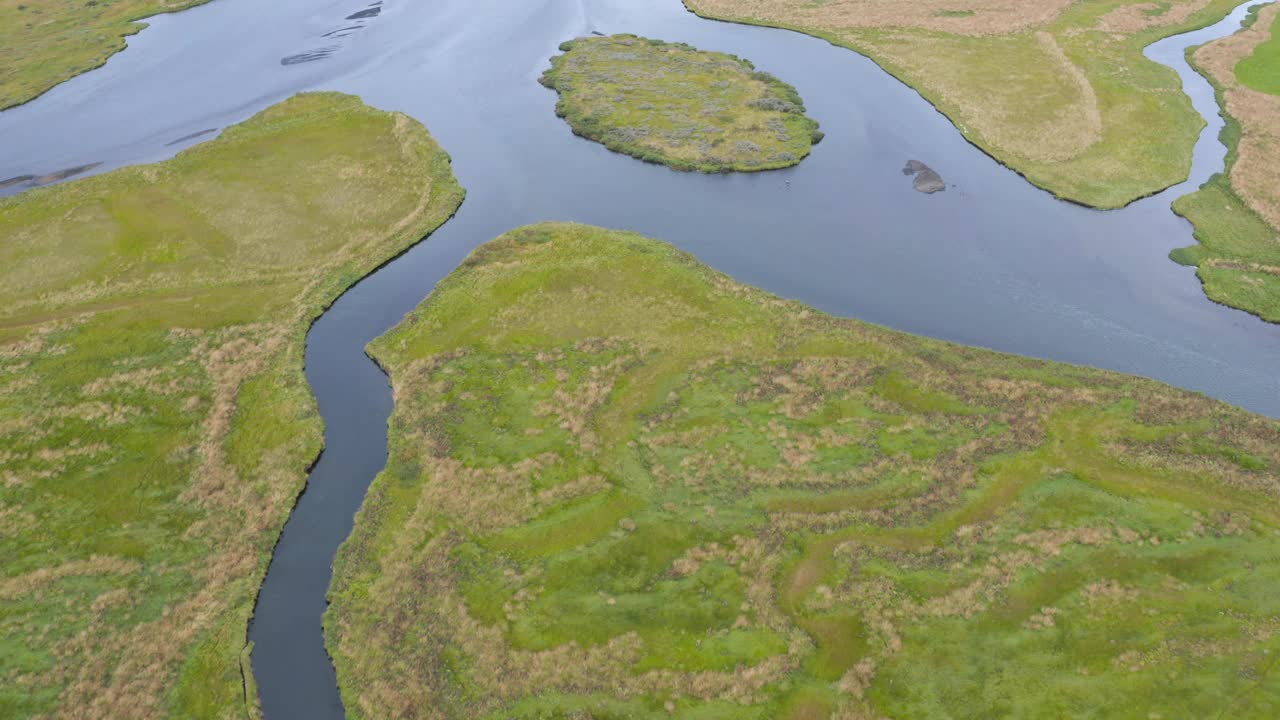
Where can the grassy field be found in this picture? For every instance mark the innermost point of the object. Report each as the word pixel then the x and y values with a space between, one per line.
pixel 1237 214
pixel 1261 70
pixel 48 41
pixel 622 485
pixel 155 423
pixel 1057 90
pixel 671 104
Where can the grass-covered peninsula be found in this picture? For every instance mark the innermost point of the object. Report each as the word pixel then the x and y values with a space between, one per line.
pixel 622 485
pixel 155 423
pixel 1058 90
pixel 671 104
pixel 48 41
pixel 1237 214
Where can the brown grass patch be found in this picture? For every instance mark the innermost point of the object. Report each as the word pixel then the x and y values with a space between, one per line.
pixel 1256 173
pixel 963 17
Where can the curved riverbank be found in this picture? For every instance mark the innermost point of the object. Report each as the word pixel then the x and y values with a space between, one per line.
pixel 621 484
pixel 994 263
pixel 47 44
pixel 1237 257
pixel 1056 115
pixel 358 411
pixel 157 422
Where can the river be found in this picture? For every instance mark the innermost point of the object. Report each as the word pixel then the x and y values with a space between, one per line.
pixel 992 261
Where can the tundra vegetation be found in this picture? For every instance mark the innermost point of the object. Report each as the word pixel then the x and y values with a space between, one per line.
pixel 671 104
pixel 622 485
pixel 1237 214
pixel 48 41
pixel 1058 90
pixel 155 423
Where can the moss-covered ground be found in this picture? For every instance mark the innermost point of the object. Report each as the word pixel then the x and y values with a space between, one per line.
pixel 48 41
pixel 622 485
pixel 155 423
pixel 1237 213
pixel 669 103
pixel 1056 90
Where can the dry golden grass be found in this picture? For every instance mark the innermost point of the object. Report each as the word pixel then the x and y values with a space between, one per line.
pixel 1057 90
pixel 1145 15
pixel 962 17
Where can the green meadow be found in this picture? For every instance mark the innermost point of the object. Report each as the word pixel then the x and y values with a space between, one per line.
pixel 622 485
pixel 671 104
pixel 48 41
pixel 155 423
pixel 1261 70
pixel 1236 252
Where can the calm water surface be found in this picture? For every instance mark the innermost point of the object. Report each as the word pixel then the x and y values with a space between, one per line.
pixel 992 261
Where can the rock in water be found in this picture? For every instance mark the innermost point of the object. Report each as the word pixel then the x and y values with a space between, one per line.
pixel 926 179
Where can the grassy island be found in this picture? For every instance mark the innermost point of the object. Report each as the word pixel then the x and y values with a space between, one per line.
pixel 671 104
pixel 155 423
pixel 1237 214
pixel 622 485
pixel 48 41
pixel 1058 90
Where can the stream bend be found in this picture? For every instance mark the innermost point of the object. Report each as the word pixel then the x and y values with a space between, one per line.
pixel 992 261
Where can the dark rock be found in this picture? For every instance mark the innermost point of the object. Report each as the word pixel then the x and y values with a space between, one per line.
pixel 192 136
pixel 21 179
pixel 311 56
pixel 926 179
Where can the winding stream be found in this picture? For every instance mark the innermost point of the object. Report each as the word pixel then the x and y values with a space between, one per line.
pixel 992 261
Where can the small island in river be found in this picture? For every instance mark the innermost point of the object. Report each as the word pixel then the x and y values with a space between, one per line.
pixel 617 483
pixel 671 104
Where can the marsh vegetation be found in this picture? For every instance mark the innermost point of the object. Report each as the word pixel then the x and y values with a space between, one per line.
pixel 155 423
pixel 48 41
pixel 671 104
pixel 1237 213
pixel 623 485
pixel 1057 90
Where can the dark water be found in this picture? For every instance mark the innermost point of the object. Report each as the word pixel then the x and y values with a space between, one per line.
pixel 991 262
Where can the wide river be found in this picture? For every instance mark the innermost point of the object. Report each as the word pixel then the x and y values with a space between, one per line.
pixel 992 261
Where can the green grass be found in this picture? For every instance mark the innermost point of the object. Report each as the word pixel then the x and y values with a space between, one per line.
pixel 1237 256
pixel 155 421
pixel 48 41
pixel 622 485
pixel 1261 70
pixel 671 104
pixel 1237 252
pixel 1013 97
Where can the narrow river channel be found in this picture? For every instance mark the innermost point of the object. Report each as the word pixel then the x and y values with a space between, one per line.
pixel 991 262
